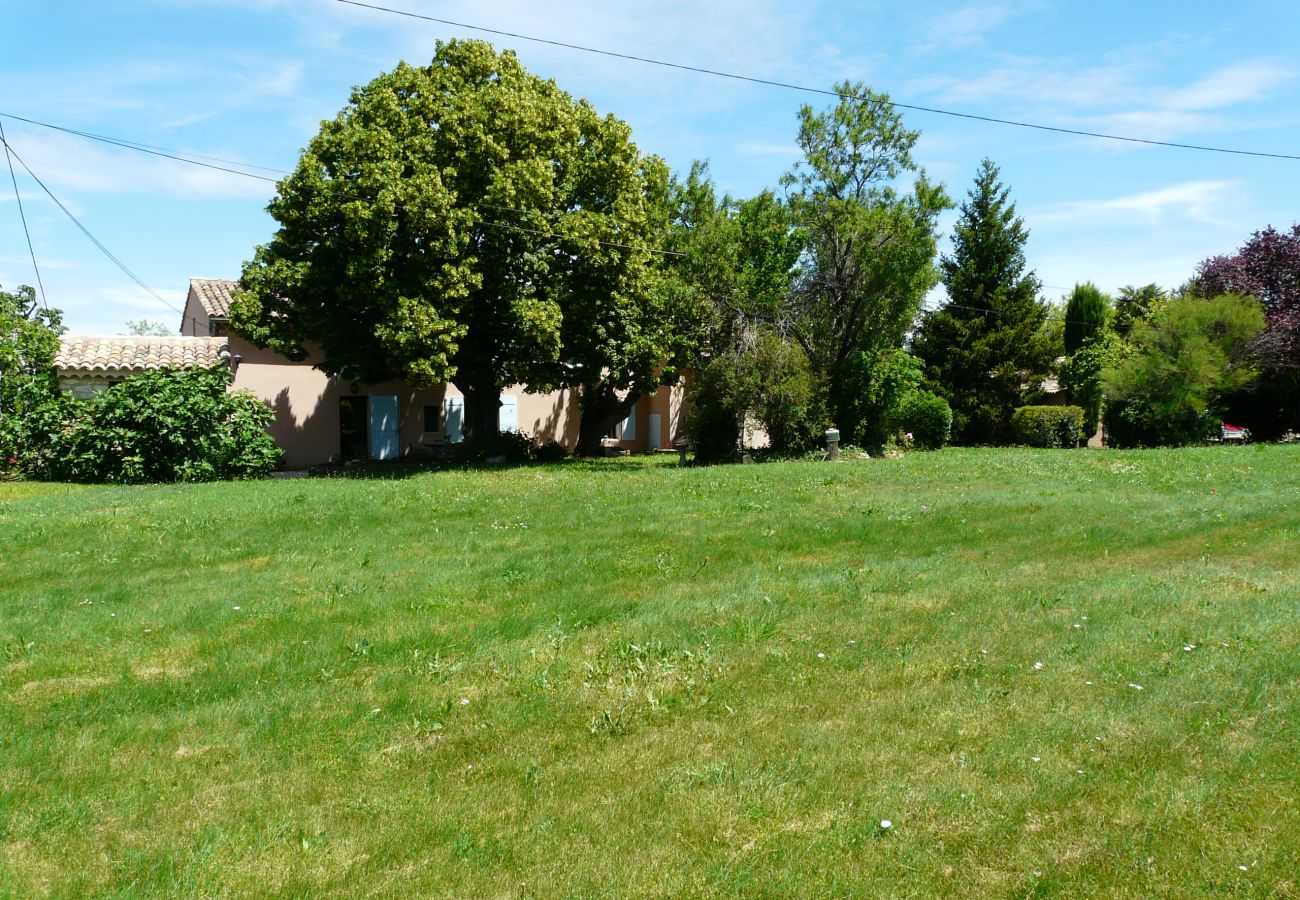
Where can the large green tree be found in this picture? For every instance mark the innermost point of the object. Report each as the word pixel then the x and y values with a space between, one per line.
pixel 466 221
pixel 870 241
pixel 984 349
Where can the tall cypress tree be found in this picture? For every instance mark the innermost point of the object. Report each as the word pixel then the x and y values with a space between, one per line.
pixel 1085 315
pixel 982 348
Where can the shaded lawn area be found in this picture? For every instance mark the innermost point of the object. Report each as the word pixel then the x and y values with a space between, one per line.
pixel 1052 672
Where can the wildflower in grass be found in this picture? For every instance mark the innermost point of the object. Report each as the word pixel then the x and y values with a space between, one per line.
pixel 821 655
pixel 1136 687
pixel 1038 666
pixel 236 609
pixel 885 824
pixel 1036 759
pixel 1088 682
pixel 1188 648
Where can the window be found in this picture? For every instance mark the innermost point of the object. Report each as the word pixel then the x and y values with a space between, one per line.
pixel 218 328
pixel 432 418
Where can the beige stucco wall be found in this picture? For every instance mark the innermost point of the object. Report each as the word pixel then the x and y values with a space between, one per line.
pixel 306 404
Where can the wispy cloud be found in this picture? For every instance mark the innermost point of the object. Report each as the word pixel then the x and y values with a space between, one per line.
pixel 1118 97
pixel 968 25
pixel 1195 200
pixel 70 165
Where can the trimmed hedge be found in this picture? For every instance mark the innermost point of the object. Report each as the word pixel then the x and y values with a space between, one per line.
pixel 1048 426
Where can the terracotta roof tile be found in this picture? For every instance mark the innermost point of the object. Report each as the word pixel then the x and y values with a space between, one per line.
pixel 136 354
pixel 214 294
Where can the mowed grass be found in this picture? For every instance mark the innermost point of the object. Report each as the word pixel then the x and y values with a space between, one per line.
pixel 1053 673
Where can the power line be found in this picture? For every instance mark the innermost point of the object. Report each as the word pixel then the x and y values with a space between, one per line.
pixel 84 230
pixel 22 215
pixel 192 158
pixel 812 90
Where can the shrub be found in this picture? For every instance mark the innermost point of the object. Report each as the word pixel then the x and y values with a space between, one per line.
pixel 929 419
pixel 30 403
pixel 874 386
pixel 511 446
pixel 1048 426
pixel 550 452
pixel 1182 363
pixel 163 426
pixel 774 383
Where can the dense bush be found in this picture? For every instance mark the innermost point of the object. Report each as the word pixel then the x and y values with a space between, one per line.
pixel 1048 426
pixel 1169 388
pixel 30 403
pixel 876 384
pixel 773 383
pixel 163 426
pixel 928 418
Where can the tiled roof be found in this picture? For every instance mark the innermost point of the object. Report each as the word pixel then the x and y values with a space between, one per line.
pixel 136 354
pixel 214 294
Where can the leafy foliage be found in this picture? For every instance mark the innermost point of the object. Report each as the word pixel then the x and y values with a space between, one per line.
pixel 467 221
pixel 869 248
pixel 928 418
pixel 1182 363
pixel 1134 304
pixel 30 401
pixel 985 346
pixel 1268 268
pixel 772 383
pixel 163 426
pixel 875 386
pixel 1048 426
pixel 1081 375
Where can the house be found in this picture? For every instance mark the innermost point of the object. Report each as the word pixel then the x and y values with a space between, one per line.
pixel 318 417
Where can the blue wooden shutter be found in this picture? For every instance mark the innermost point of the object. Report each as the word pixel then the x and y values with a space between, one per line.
pixel 508 418
pixel 383 426
pixel 452 421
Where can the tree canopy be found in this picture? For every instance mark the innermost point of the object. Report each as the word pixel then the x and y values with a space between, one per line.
pixel 465 221
pixel 869 242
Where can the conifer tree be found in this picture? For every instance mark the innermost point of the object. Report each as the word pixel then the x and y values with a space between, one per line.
pixel 982 349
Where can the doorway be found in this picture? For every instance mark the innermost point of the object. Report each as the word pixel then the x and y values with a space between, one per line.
pixel 353 428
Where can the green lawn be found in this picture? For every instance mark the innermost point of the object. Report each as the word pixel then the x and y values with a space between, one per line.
pixel 1058 673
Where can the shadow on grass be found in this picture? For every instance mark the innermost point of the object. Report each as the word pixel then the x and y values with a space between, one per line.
pixel 401 469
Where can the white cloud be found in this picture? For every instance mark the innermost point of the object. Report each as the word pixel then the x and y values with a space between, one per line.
pixel 966 26
pixel 71 165
pixel 1115 98
pixel 1194 200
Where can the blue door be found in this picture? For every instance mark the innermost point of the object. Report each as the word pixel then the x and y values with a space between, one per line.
pixel 383 426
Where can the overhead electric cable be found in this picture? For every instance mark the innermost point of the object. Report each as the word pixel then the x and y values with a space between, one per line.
pixel 812 90
pixel 155 151
pixel 84 230
pixel 22 215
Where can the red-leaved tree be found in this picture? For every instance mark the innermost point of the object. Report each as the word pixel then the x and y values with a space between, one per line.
pixel 1268 267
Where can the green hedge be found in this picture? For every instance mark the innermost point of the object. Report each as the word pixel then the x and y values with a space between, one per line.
pixel 1048 426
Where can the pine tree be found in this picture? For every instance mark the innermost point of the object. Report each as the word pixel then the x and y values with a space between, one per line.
pixel 982 349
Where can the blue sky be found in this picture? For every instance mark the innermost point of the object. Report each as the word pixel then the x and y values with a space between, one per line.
pixel 250 80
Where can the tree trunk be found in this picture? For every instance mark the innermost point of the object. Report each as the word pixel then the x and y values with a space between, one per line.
pixel 601 409
pixel 482 411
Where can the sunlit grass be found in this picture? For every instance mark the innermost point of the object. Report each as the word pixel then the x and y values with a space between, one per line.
pixel 1052 672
